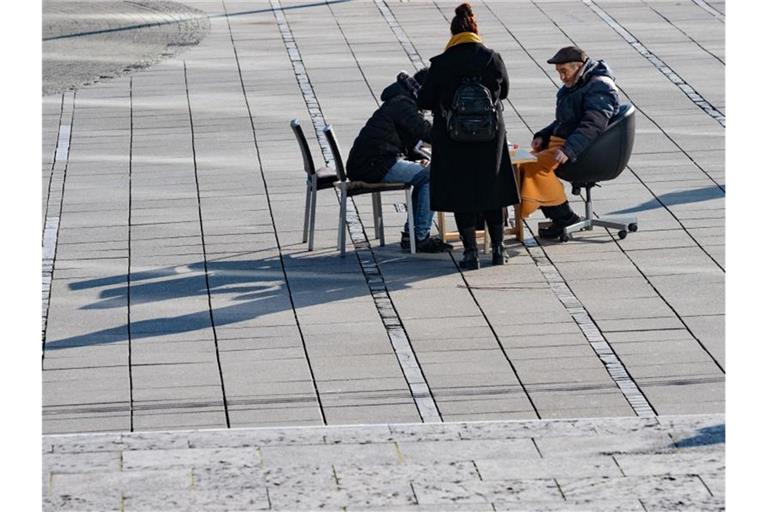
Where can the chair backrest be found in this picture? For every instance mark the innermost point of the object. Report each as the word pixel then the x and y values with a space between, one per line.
pixel 608 154
pixel 341 174
pixel 309 164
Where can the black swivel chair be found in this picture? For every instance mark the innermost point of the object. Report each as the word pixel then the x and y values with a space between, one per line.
pixel 317 179
pixel 602 160
pixel 354 188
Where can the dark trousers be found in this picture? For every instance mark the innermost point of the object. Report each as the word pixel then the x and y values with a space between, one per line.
pixel 468 221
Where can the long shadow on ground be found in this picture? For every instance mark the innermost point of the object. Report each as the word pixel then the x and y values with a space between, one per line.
pixel 249 288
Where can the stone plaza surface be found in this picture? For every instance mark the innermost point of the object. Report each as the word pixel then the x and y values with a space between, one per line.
pixel 177 294
pixel 620 464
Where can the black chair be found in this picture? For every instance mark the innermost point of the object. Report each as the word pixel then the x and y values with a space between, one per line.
pixel 355 188
pixel 602 160
pixel 317 179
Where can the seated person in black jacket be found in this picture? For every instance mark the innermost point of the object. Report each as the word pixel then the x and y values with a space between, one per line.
pixel 383 147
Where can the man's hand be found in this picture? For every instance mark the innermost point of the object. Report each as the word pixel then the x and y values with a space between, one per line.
pixel 560 157
pixel 537 144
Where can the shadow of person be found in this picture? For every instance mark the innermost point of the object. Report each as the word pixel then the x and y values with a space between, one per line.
pixel 238 290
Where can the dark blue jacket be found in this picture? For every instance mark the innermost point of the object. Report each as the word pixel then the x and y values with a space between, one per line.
pixel 583 110
pixel 391 133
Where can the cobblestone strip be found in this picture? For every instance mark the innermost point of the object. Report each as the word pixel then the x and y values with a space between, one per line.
pixel 711 10
pixel 400 34
pixel 55 202
pixel 616 369
pixel 409 364
pixel 659 64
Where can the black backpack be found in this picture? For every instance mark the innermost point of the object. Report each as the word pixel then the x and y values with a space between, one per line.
pixel 473 115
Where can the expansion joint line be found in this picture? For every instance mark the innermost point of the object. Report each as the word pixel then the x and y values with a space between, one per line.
pixel 55 201
pixel 205 255
pixel 272 219
pixel 128 280
pixel 416 59
pixel 420 391
pixel 659 64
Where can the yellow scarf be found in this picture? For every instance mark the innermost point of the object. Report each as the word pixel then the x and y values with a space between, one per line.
pixel 463 37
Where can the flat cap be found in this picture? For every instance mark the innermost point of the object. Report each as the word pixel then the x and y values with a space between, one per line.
pixel 568 54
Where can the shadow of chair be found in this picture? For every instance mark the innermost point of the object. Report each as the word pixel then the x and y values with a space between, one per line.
pixel 317 179
pixel 349 188
pixel 603 160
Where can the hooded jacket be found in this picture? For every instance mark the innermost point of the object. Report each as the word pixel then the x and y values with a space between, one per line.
pixel 584 109
pixel 390 134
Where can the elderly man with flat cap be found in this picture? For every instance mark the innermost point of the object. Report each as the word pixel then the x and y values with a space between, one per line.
pixel 585 103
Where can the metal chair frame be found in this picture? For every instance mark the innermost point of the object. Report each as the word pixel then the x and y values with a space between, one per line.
pixel 313 184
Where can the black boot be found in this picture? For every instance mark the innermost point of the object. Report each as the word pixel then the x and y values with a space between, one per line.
pixel 499 253
pixel 561 217
pixel 470 260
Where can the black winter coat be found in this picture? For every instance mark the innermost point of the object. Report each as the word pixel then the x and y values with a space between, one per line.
pixel 467 176
pixel 584 109
pixel 391 133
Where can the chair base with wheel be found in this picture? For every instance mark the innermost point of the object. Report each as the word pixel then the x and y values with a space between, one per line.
pixel 604 159
pixel 624 224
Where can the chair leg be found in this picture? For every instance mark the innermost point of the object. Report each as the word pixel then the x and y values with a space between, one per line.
pixel 411 228
pixel 312 215
pixel 342 242
pixel 375 206
pixel 307 206
pixel 380 218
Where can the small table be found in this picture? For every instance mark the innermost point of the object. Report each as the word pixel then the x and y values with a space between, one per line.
pixel 518 156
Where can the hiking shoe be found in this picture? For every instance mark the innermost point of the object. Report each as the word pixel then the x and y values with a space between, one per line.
pixel 556 228
pixel 431 244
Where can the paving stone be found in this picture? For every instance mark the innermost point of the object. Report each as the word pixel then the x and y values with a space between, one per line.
pixel 673 464
pixel 169 458
pixel 77 461
pixel 329 454
pixel 447 451
pixel 498 492
pixel 110 442
pixel 684 488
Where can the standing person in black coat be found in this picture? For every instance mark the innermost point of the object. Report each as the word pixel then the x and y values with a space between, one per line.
pixel 469 178
pixel 384 148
